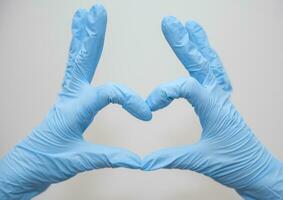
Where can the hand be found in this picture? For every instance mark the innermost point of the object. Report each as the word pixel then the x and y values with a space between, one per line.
pixel 227 151
pixel 56 150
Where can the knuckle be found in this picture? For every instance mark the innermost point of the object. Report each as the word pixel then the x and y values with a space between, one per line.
pixel 162 92
pixel 192 82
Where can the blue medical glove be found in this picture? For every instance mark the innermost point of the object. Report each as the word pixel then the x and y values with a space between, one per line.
pixel 227 151
pixel 56 150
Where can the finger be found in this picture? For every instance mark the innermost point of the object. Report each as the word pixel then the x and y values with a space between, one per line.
pixel 89 47
pixel 92 156
pixel 119 94
pixel 187 157
pixel 199 37
pixel 188 88
pixel 78 34
pixel 178 38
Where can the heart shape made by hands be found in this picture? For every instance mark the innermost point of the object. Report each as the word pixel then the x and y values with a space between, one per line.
pixel 56 150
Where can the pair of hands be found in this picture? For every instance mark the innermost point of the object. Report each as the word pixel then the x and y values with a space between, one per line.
pixel 55 151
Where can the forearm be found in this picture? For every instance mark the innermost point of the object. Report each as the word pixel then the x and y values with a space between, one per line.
pixel 14 184
pixel 269 188
pixel 10 191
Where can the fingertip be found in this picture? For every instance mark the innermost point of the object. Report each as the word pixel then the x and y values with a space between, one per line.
pixel 191 24
pixel 98 17
pixel 168 20
pixel 147 115
pixel 151 162
pixel 98 9
pixel 163 95
pixel 174 31
pixel 130 101
pixel 77 22
pixel 138 107
pixel 152 103
pixel 167 158
pixel 196 32
pixel 144 114
pixel 146 163
pixel 116 157
pixel 148 102
pixel 130 159
pixel 79 13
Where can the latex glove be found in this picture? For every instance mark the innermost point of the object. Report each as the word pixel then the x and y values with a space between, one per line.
pixel 56 150
pixel 227 151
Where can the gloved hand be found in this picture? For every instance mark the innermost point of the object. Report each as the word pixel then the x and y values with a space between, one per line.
pixel 56 150
pixel 227 151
